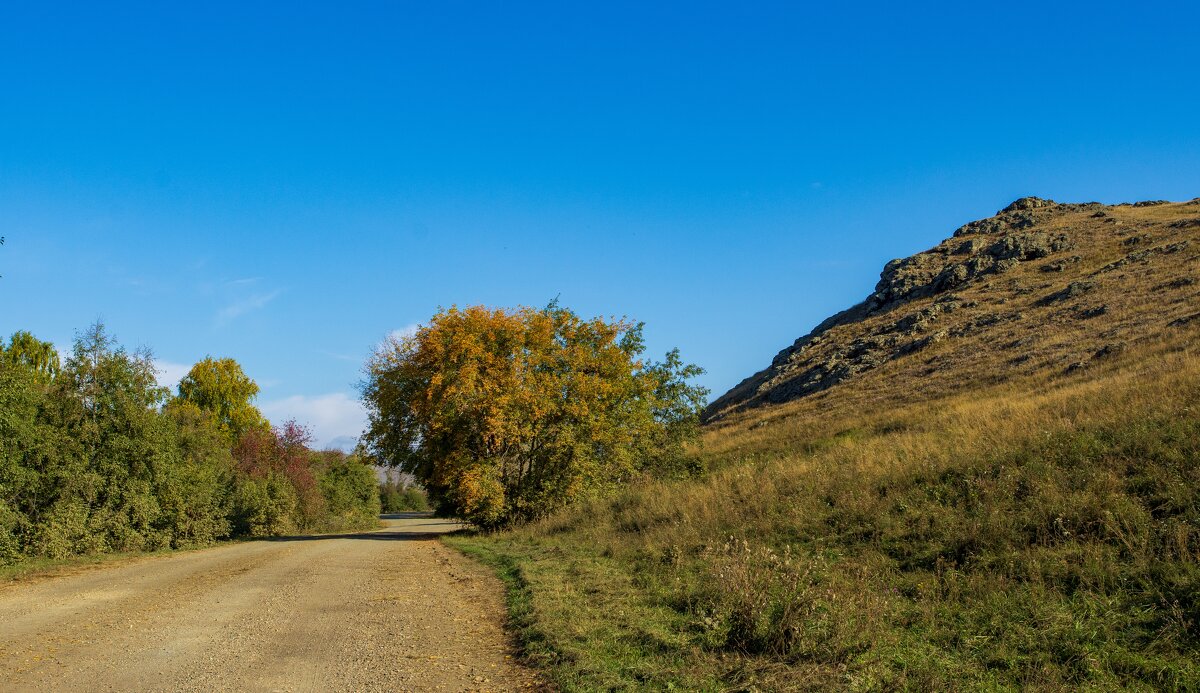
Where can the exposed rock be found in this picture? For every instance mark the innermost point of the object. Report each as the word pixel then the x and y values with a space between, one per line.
pixel 1026 203
pixel 1139 256
pixel 927 274
pixel 1151 203
pixel 1073 289
pixel 922 343
pixel 1027 246
pixel 969 247
pixel 820 377
pixel 1176 283
pixel 1093 312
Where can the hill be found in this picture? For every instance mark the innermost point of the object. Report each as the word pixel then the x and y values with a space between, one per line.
pixel 1040 287
pixel 986 476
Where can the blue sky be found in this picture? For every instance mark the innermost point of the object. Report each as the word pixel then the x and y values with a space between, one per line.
pixel 288 184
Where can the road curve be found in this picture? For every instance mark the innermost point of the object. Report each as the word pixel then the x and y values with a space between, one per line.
pixel 390 610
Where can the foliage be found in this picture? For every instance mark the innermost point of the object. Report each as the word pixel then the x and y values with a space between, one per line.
pixel 264 506
pixel 283 453
pixel 506 415
pixel 400 495
pixel 92 462
pixel 26 350
pixel 220 387
pixel 349 489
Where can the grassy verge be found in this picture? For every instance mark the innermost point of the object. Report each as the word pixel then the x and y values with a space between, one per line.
pixel 35 567
pixel 581 619
pixel 1009 540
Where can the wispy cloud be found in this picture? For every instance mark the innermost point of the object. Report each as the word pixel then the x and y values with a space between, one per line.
pixel 406 331
pixel 334 418
pixel 341 357
pixel 246 304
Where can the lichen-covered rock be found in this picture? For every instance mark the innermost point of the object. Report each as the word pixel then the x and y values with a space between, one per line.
pixel 1027 246
pixel 1027 203
pixel 940 270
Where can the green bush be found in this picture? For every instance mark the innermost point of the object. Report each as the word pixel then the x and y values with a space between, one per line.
pixel 348 486
pixel 396 497
pixel 264 507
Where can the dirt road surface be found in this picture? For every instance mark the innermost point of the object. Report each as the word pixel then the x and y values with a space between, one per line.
pixel 392 610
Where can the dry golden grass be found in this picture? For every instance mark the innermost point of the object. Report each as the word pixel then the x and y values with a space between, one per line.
pixel 1021 536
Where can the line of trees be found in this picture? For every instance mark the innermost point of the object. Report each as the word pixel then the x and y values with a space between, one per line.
pixel 95 457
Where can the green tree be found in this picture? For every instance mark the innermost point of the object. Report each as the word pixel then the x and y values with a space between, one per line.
pixel 505 415
pixel 221 388
pixel 33 452
pixel 26 350
pixel 104 496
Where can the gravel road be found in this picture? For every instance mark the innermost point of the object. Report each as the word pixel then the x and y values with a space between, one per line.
pixel 391 610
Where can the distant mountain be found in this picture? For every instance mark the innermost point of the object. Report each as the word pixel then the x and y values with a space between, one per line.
pixel 1040 287
pixel 343 443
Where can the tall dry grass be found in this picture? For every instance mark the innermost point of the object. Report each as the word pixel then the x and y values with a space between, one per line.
pixel 1035 534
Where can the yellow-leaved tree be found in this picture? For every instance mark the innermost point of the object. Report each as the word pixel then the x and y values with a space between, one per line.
pixel 505 415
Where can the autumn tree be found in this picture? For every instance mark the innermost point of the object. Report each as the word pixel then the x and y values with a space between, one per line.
pixel 505 415
pixel 221 388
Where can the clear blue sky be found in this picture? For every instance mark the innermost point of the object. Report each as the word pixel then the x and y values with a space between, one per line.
pixel 286 183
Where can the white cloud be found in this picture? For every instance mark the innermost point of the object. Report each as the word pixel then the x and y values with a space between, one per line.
pixel 170 373
pixel 245 305
pixel 332 418
pixel 406 331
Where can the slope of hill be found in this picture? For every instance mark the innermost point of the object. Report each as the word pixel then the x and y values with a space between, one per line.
pixel 986 476
pixel 1040 287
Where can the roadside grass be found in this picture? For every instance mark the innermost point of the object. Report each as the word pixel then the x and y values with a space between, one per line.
pixel 1039 535
pixel 30 568
pixel 37 567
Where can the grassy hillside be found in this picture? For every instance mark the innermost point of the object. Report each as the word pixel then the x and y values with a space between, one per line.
pixel 1035 290
pixel 980 513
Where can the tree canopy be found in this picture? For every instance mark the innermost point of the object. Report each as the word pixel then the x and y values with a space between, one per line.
pixel 26 350
pixel 506 415
pixel 221 388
